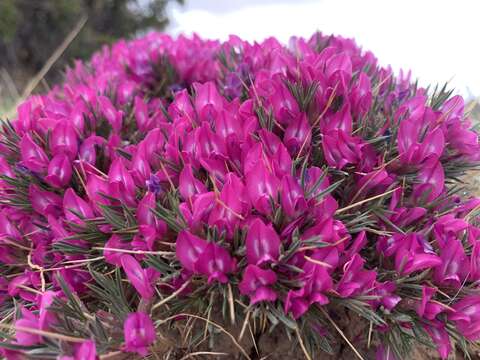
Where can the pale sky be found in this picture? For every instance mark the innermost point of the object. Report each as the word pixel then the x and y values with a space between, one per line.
pixel 438 40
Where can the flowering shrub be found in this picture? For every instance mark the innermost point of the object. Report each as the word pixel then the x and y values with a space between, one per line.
pixel 173 182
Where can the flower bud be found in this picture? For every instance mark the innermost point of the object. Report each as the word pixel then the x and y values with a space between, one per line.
pixel 64 140
pixel 59 171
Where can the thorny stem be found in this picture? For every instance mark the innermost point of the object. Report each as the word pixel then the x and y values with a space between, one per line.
pixel 302 345
pixel 43 333
pixel 339 211
pixel 172 295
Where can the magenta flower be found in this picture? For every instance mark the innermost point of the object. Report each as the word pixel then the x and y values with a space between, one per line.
pixel 292 197
pixel 361 96
pixel 140 168
pixel 459 136
pixel 440 337
pixel 256 283
pixel 408 261
pixel 182 106
pixel 358 243
pixel 339 69
pixel 207 144
pixel 277 157
pixel 137 276
pixel 28 321
pixel 298 135
pixel 413 152
pixel 87 151
pixel 153 143
pixel 431 179
pixel 403 216
pixel 208 102
pixel 327 231
pixel 114 257
pixel 215 262
pixel 140 110
pixel 285 107
pixel 144 211
pixel 46 317
pixel 188 249
pixel 121 182
pixel 467 317
pixel 262 187
pixel 139 333
pixel 64 140
pixel 86 351
pixel 148 222
pixel 44 202
pixel 77 118
pixel 374 182
pixel 340 120
pixel 341 149
pixel 75 208
pixel 96 188
pixel 34 157
pixel 113 116
pixel 355 279
pixel 317 282
pixel 232 128
pixel 7 228
pixel 28 278
pixel 448 226
pixel 59 171
pixel 455 265
pixel 386 297
pixel 411 252
pixel 453 109
pixel 475 262
pixel 205 258
pixel 25 117
pixel 464 141
pixel 427 308
pixel 232 207
pixel 262 243
pixel 198 212
pixel 76 279
pixel 188 184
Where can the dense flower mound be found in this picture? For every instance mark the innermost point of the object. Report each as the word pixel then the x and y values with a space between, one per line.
pixel 182 185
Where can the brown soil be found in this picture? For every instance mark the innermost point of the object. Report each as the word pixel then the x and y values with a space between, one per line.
pixel 278 346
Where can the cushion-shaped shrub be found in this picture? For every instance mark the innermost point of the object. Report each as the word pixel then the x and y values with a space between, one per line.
pixel 183 185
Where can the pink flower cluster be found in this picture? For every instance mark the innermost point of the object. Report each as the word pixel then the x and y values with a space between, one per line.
pixel 303 176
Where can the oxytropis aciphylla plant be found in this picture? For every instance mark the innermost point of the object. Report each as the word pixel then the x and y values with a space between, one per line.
pixel 174 187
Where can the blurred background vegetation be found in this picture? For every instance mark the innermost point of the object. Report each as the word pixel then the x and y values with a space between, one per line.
pixel 31 31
